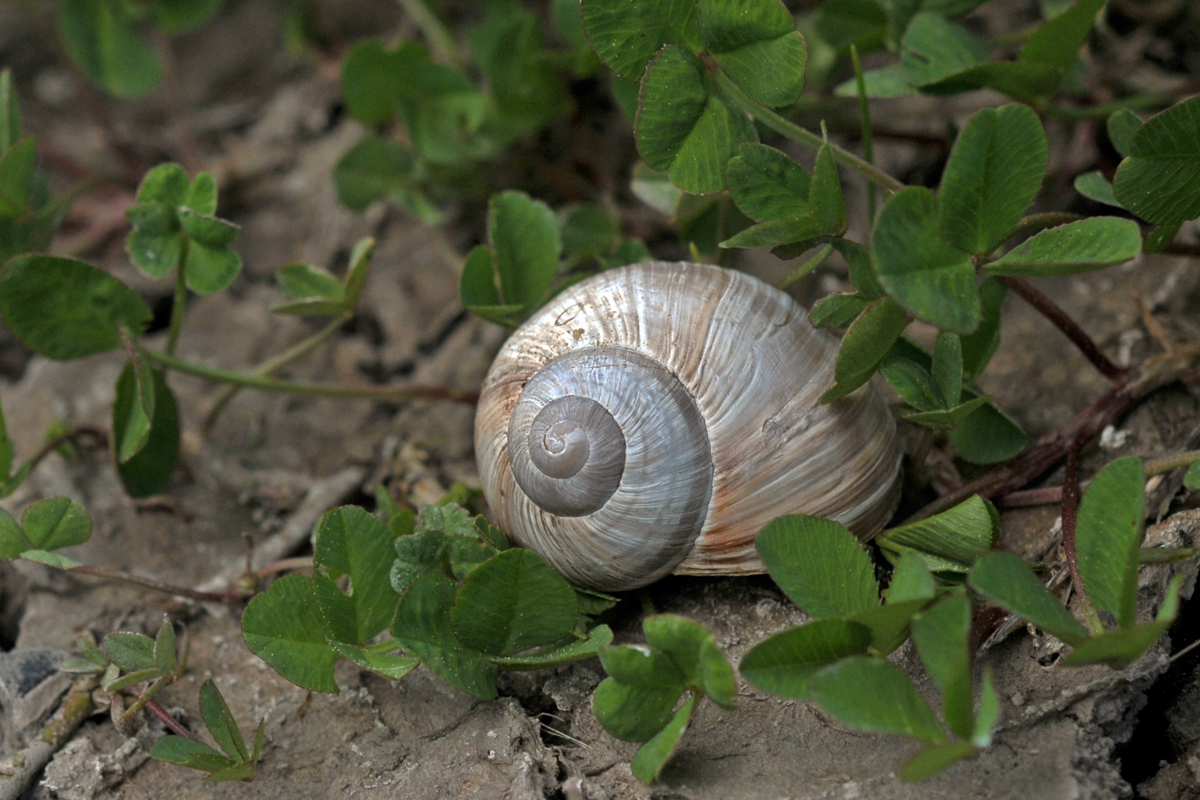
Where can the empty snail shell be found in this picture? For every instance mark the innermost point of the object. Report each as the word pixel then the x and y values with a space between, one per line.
pixel 653 418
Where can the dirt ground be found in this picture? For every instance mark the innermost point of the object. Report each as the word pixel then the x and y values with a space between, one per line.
pixel 270 127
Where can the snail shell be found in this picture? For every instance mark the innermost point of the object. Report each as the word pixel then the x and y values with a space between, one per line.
pixel 653 418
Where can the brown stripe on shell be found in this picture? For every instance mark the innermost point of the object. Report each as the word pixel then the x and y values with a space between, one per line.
pixel 754 366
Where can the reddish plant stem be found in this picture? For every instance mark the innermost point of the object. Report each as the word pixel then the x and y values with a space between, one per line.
pixel 1078 336
pixel 234 594
pixel 1054 494
pixel 1087 424
pixel 228 596
pixel 1047 452
pixel 173 725
pixel 1070 514
pixel 1031 497
pixel 82 432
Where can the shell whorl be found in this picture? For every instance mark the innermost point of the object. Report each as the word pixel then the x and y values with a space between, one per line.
pixel 711 379
pixel 630 447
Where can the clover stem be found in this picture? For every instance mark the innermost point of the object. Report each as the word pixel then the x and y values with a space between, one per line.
pixel 648 609
pixel 1087 424
pixel 734 94
pixel 802 271
pixel 154 585
pixel 266 368
pixel 82 431
pixel 180 298
pixel 382 394
pixel 1031 497
pixel 1054 494
pixel 1157 466
pixel 1070 515
pixel 1104 109
pixel 1185 651
pixel 864 112
pixel 440 41
pixel 284 565
pixel 172 724
pixel 144 698
pixel 1070 328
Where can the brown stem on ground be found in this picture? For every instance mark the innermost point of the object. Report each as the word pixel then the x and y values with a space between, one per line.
pixel 231 595
pixel 1053 494
pixel 1182 363
pixel 1050 310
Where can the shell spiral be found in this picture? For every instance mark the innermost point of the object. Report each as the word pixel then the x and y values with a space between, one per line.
pixel 653 418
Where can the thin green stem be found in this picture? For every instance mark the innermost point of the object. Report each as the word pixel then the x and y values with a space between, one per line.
pixel 1157 466
pixel 1012 37
pixel 382 394
pixel 179 300
pixel 731 92
pixel 802 271
pixel 85 186
pixel 268 367
pixel 864 113
pixel 441 42
pixel 143 698
pixel 648 609
pixel 98 435
pixel 1104 109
